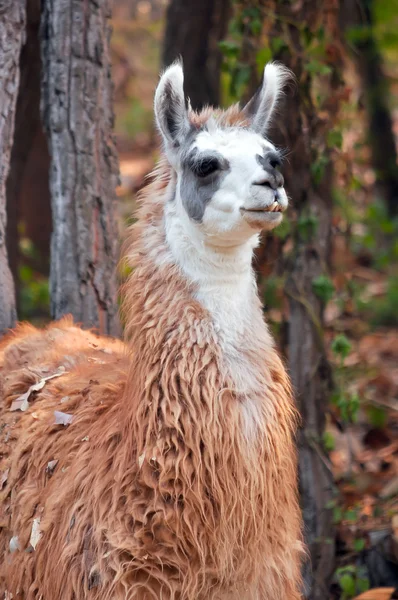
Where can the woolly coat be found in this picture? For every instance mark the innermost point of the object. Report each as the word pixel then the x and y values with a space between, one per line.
pixel 151 489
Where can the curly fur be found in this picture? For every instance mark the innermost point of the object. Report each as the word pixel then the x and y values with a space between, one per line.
pixel 157 493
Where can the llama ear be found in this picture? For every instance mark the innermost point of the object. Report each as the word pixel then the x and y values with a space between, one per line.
pixel 170 109
pixel 260 109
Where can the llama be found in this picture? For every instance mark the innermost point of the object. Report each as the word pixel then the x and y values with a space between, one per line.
pixel 163 467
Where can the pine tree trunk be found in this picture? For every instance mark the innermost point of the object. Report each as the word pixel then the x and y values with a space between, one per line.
pixel 12 33
pixel 309 181
pixel 78 117
pixel 193 30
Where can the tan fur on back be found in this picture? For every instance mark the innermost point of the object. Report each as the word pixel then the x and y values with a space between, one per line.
pixel 156 493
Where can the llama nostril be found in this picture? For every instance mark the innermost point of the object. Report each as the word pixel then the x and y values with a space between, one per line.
pixel 267 183
pixel 275 162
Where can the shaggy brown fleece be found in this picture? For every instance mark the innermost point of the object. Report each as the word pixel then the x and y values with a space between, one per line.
pixel 152 491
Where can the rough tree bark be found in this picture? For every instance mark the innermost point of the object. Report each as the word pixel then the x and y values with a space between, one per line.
pixel 78 117
pixel 303 129
pixel 12 32
pixel 193 30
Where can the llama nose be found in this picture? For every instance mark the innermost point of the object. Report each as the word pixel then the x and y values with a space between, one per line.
pixel 273 178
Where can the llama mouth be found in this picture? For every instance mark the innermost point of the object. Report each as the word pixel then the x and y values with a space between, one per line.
pixel 274 207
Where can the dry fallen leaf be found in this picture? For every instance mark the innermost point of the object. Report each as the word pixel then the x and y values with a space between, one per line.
pixel 36 533
pixel 390 489
pixel 376 594
pixel 62 418
pixel 22 402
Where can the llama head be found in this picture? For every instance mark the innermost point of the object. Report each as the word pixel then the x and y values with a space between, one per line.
pixel 228 180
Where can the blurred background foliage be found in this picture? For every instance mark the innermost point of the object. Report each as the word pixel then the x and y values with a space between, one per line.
pixel 358 291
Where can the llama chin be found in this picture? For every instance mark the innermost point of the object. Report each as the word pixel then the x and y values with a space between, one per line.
pixel 164 466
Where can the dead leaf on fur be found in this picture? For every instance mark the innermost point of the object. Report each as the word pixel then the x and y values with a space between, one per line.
pixel 8 595
pixel 376 594
pixel 65 399
pixel 13 546
pixel 36 533
pixel 95 360
pixel 51 466
pixel 22 402
pixel 141 460
pixel 4 478
pixel 62 418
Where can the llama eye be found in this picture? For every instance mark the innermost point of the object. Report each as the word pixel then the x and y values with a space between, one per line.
pixel 207 167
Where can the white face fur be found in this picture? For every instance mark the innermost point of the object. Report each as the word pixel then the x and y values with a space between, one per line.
pixel 228 180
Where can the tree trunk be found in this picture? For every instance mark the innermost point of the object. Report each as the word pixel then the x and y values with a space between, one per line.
pixel 78 117
pixel 377 95
pixel 309 176
pixel 193 30
pixel 28 196
pixel 12 32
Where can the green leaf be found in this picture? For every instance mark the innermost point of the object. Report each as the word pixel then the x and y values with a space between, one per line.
pixel 337 515
pixel 256 26
pixel 341 346
pixel 262 57
pixel 329 442
pixel 335 139
pixel 240 79
pixel 363 584
pixel 359 545
pixel 315 67
pixel 230 49
pixel 323 287
pixel 307 226
pixel 272 286
pixel 277 45
pixel 283 230
pixel 377 416
pixel 347 584
pixel 353 408
pixel 351 515
pixel 318 168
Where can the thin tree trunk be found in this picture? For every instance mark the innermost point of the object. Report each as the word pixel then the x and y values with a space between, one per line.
pixel 304 133
pixel 377 94
pixel 78 117
pixel 28 196
pixel 193 30
pixel 12 32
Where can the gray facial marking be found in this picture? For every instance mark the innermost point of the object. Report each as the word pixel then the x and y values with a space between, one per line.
pixel 196 187
pixel 270 163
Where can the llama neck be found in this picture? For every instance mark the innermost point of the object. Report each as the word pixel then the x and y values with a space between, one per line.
pixel 188 298
pixel 222 276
